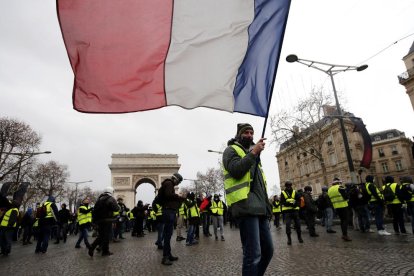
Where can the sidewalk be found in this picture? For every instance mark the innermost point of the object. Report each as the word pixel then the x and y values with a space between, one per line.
pixel 367 254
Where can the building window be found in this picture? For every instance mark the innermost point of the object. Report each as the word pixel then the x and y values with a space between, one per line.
pixel 398 165
pixel 332 159
pixel 329 140
pixel 390 135
pixel 384 167
pixel 381 152
pixel 377 138
pixel 394 150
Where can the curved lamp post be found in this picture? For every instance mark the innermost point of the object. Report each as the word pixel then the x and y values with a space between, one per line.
pixel 331 70
pixel 76 190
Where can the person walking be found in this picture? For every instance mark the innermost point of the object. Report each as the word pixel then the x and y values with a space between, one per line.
pixel 181 218
pixel 103 216
pixel 395 205
pixel 376 203
pixel 217 209
pixel 193 217
pixel 246 194
pixel 64 217
pixel 170 202
pixel 276 210
pixel 84 221
pixel 339 198
pixel 8 224
pixel 290 201
pixel 48 214
pixel 310 211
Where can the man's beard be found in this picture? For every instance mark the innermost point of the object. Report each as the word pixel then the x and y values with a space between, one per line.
pixel 246 142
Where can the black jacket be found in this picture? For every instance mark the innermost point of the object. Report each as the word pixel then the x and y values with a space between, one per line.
pixel 170 199
pixel 104 209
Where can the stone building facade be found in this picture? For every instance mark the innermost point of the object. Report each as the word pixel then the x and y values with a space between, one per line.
pixel 407 78
pixel 128 171
pixel 392 155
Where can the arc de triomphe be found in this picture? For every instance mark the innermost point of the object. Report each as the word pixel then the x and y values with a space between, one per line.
pixel 128 171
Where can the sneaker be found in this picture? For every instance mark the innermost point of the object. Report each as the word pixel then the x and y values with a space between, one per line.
pixel 370 231
pixel 222 238
pixel 107 253
pixel 383 233
pixel 78 246
pixel 90 251
pixel 216 238
pixel 330 231
pixel 166 261
pixel 346 238
pixel 160 247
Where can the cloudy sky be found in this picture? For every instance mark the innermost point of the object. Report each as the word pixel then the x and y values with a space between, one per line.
pixel 36 85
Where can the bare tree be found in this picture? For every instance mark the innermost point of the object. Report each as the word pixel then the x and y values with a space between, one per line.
pixel 18 141
pixel 50 178
pixel 210 182
pixel 302 126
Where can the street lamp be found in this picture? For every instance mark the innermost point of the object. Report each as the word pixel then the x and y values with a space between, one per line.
pixel 331 70
pixel 76 191
pixel 215 151
pixel 28 155
pixel 195 183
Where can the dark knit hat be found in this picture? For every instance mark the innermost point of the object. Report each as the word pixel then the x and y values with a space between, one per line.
pixel 242 128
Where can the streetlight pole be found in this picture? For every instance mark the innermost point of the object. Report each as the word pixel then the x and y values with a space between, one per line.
pixel 331 70
pixel 76 191
pixel 29 155
pixel 195 184
pixel 215 151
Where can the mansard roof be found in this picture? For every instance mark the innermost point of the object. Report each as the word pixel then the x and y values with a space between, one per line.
pixel 384 134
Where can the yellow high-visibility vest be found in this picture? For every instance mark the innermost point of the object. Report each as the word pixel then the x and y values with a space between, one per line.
pixel 289 199
pixel 338 201
pixel 84 218
pixel 217 208
pixel 6 217
pixel 238 189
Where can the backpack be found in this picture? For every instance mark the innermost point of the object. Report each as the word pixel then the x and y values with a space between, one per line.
pixel 388 193
pixel 405 192
pixel 302 202
pixel 41 211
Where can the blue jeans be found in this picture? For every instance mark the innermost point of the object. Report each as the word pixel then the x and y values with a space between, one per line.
pixel 43 238
pixel 328 218
pixel 83 235
pixel 190 234
pixel 379 214
pixel 257 244
pixel 168 217
pixel 160 230
pixel 410 209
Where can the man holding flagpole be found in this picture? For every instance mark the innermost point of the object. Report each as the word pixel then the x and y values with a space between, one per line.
pixel 245 187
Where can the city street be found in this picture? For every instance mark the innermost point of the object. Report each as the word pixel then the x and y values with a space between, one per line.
pixel 367 254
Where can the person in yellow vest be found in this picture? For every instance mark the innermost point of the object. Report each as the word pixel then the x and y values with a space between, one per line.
pixel 246 195
pixel 376 203
pixel 276 210
pixel 8 224
pixel 181 217
pixel 407 183
pixel 217 209
pixel 193 218
pixel 396 206
pixel 339 198
pixel 84 221
pixel 45 224
pixel 290 201
pixel 151 219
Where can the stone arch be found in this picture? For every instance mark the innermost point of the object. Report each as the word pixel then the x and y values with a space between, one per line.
pixel 128 171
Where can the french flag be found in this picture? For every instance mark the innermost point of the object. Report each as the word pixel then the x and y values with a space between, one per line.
pixel 136 55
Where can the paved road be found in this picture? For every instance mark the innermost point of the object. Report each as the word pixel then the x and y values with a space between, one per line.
pixel 367 254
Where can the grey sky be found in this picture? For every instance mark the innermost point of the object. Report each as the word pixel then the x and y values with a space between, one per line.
pixel 36 86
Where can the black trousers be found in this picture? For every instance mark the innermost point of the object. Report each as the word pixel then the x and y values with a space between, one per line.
pixel 289 217
pixel 344 217
pixel 104 232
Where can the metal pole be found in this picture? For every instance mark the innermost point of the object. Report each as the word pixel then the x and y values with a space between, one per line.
pixel 344 136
